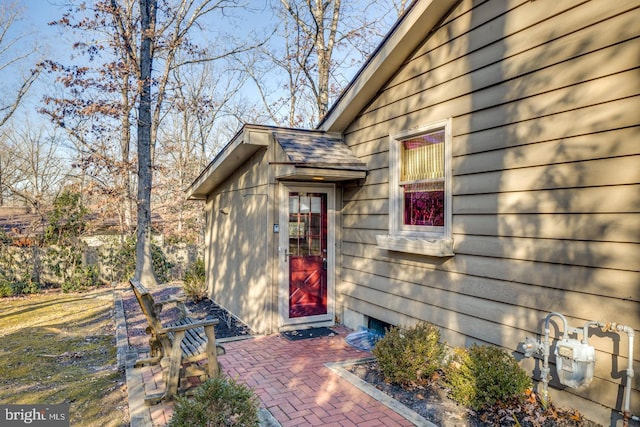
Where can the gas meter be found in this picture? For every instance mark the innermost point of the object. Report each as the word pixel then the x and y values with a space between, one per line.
pixel 575 361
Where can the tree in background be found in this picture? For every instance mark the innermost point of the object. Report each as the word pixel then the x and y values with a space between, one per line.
pixel 33 170
pixel 132 61
pixel 12 54
pixel 203 100
pixel 312 54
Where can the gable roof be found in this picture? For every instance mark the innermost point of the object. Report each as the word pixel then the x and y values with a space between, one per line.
pixel 422 17
pixel 313 155
pixel 243 145
pixel 320 154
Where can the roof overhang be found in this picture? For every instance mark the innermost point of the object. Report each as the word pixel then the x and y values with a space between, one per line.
pixel 243 145
pixel 420 20
pixel 316 156
pixel 317 173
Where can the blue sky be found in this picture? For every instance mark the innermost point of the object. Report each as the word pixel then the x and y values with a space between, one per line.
pixel 54 44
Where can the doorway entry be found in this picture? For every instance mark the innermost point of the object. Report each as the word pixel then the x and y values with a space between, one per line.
pixel 306 255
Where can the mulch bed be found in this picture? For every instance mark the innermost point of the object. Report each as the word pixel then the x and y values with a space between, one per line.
pixel 433 403
pixel 228 327
pixel 430 402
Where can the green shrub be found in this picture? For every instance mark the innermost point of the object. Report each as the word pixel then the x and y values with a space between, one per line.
pixel 218 402
pixel 161 265
pixel 17 286
pixel 82 279
pixel 481 376
pixel 410 356
pixel 122 260
pixel 194 281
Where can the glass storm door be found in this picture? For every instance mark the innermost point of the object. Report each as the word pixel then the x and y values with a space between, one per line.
pixel 306 257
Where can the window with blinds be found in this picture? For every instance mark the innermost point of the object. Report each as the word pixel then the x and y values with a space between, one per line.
pixel 422 179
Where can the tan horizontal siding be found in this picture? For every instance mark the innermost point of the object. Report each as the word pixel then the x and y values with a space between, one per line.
pixel 622 228
pixel 598 227
pixel 611 144
pixel 621 199
pixel 592 173
pixel 536 301
pixel 597 281
pixel 596 119
pixel 610 255
pixel 368 222
pixel 500 105
pixel 512 78
pixel 373 207
pixel 544 99
pixel 495 54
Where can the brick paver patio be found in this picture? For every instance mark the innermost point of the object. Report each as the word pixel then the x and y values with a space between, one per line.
pixel 289 377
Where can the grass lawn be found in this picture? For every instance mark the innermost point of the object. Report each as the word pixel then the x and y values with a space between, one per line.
pixel 60 348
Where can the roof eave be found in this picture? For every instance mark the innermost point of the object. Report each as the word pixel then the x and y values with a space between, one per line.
pixel 404 38
pixel 243 145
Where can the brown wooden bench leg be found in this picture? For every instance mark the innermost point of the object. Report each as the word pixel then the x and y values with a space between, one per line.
pixel 173 375
pixel 212 352
pixel 174 367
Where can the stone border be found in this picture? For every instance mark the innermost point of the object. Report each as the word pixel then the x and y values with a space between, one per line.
pixel 139 415
pixel 385 399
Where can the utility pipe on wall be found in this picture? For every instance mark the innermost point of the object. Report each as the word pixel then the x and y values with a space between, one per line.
pixel 626 410
pixel 532 346
pixel 545 372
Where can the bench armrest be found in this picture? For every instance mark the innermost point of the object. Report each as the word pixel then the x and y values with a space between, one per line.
pixel 179 301
pixel 176 299
pixel 187 326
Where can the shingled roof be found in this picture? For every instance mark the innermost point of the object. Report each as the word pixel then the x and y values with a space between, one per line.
pixel 318 150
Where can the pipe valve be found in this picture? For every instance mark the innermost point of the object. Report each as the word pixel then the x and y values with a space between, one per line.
pixel 531 347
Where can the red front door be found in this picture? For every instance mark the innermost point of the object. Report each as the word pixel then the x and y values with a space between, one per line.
pixel 307 254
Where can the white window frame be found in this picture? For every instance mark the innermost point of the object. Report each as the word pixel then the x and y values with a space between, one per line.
pixel 431 241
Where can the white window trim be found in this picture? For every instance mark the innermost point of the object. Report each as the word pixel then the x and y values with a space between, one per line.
pixel 403 239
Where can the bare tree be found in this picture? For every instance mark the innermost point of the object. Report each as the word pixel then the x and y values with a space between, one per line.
pixel 144 42
pixel 33 170
pixel 16 82
pixel 12 54
pixel 202 100
pixel 316 48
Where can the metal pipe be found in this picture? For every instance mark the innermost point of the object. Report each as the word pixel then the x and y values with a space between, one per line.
pixel 546 345
pixel 626 411
pixel 585 330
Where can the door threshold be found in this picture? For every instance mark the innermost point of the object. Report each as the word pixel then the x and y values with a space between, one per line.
pixel 309 325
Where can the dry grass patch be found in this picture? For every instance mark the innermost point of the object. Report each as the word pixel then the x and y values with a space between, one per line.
pixel 60 348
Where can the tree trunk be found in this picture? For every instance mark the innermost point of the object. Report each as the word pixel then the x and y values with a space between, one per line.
pixel 144 266
pixel 125 171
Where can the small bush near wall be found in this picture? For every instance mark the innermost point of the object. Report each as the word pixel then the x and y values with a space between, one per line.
pixel 20 270
pixel 482 376
pixel 219 402
pixel 410 356
pixel 194 281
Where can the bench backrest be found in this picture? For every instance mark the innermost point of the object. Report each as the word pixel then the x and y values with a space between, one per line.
pixel 147 304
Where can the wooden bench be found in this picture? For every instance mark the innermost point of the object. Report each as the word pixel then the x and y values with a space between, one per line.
pixel 177 346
